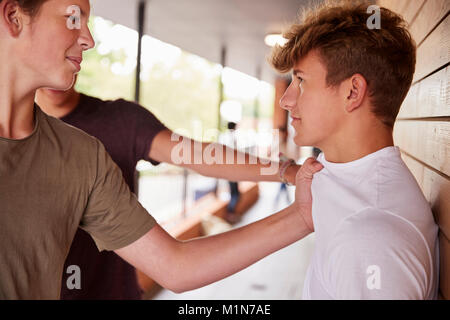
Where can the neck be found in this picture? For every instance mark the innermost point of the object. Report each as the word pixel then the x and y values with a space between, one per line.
pixel 16 104
pixel 357 141
pixel 57 103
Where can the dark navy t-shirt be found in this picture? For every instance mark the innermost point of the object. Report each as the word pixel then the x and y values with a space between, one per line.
pixel 126 130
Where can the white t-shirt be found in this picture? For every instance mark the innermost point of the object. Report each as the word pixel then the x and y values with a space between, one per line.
pixel 375 236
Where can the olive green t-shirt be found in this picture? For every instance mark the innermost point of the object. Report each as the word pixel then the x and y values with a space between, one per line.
pixel 51 182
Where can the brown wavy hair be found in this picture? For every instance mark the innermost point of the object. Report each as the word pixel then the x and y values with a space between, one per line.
pixel 385 57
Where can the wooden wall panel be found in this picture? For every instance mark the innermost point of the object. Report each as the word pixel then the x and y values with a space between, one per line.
pixel 411 9
pixel 434 52
pixel 428 98
pixel 407 8
pixel 428 141
pixel 431 13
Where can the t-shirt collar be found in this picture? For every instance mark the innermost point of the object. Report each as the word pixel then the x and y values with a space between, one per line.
pixel 384 152
pixel 37 116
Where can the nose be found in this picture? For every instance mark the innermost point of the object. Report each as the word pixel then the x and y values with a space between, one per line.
pixel 289 99
pixel 86 41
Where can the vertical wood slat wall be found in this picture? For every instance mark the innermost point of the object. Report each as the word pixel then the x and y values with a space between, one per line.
pixel 422 129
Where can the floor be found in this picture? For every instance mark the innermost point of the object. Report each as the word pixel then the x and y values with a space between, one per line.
pixel 278 276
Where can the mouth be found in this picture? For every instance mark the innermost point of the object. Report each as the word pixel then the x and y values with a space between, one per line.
pixel 295 120
pixel 76 61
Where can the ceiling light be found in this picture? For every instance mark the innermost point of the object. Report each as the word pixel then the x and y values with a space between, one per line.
pixel 272 39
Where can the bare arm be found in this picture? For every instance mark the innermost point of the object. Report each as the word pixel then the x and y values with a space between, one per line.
pixel 182 266
pixel 186 265
pixel 243 167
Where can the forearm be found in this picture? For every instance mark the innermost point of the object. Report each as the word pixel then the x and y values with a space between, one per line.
pixel 233 165
pixel 205 260
pixel 213 159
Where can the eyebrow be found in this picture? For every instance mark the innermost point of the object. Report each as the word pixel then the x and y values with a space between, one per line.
pixel 82 12
pixel 295 71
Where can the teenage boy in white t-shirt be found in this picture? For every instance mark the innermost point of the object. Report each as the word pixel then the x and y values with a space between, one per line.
pixel 375 233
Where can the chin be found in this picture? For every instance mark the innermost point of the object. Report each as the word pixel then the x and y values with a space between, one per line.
pixel 299 142
pixel 64 83
pixel 303 141
pixel 70 83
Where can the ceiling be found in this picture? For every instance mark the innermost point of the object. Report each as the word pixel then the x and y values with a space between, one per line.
pixel 203 27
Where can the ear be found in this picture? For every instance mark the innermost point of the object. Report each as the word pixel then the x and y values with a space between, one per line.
pixel 11 17
pixel 355 92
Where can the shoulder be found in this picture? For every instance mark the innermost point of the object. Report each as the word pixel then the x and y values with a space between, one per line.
pixel 71 141
pixel 64 130
pixel 124 105
pixel 370 223
pixel 129 111
pixel 396 182
pixel 108 106
pixel 375 241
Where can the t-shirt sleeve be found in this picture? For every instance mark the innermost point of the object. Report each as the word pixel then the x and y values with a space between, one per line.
pixel 378 255
pixel 113 216
pixel 146 127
